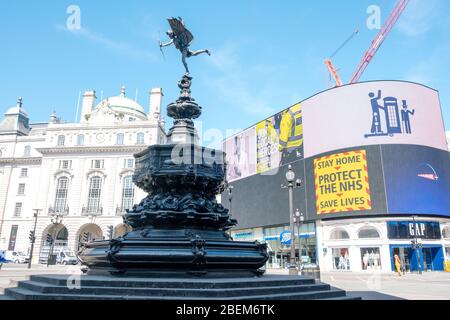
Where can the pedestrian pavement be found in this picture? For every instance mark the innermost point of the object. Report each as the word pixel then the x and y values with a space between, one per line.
pixel 368 286
pixel 11 274
pixel 388 286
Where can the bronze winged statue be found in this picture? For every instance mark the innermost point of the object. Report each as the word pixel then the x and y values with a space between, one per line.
pixel 182 39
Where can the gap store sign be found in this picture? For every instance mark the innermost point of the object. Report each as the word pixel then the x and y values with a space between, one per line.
pixel 411 230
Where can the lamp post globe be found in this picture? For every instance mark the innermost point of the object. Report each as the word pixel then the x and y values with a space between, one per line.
pixel 290 174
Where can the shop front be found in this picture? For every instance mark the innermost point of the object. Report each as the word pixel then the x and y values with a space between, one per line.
pixel 418 245
pixel 278 239
pixel 429 257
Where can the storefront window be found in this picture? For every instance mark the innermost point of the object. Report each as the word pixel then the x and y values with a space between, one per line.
pixel 447 253
pixel 341 259
pixel 371 258
pixel 279 254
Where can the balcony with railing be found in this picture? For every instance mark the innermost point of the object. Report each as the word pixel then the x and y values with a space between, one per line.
pixel 64 211
pixel 91 211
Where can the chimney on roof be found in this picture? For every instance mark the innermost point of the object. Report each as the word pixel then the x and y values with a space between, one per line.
pixel 156 96
pixel 88 104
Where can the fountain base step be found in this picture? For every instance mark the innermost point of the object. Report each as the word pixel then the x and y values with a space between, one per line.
pixel 113 288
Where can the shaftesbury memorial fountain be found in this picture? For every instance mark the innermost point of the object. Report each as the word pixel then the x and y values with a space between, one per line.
pixel 179 228
pixel 179 247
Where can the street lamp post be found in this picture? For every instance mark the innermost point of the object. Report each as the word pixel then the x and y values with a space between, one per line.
pixel 299 219
pixel 33 236
pixel 417 246
pixel 290 177
pixel 56 221
pixel 230 196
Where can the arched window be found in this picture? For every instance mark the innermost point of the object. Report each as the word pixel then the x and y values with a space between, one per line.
pixel 95 192
pixel 140 139
pixel 339 234
pixel 80 140
pixel 62 188
pixel 127 193
pixel 446 233
pixel 120 139
pixel 63 235
pixel 27 151
pixel 61 140
pixel 369 233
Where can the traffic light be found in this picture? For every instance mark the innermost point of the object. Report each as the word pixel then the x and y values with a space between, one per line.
pixel 49 239
pixel 110 232
pixel 85 237
pixel 32 237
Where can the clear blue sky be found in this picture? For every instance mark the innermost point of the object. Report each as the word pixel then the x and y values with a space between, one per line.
pixel 267 55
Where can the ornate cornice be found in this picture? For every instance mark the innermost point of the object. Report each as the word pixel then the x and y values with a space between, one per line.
pixel 21 161
pixel 96 149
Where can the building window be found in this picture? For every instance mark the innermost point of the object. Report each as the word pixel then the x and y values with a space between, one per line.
pixel 1 153
pixel 18 210
pixel 80 140
pixel 62 188
pixel 23 172
pixel 140 138
pixel 95 191
pixel 27 151
pixel 98 164
pixel 21 189
pixel 65 164
pixel 61 140
pixel 128 163
pixel 446 233
pixel 339 234
pixel 120 139
pixel 368 234
pixel 127 193
pixel 132 119
pixel 13 238
pixel 341 259
pixel 370 258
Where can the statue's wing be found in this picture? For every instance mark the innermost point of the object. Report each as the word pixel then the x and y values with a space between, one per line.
pixel 180 31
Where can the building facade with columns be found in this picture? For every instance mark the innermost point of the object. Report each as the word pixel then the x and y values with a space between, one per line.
pixel 80 173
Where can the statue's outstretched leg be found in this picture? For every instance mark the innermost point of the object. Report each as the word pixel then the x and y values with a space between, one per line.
pixel 196 53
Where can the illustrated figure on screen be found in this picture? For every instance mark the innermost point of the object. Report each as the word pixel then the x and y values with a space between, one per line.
pixel 291 135
pixel 239 166
pixel 391 114
pixel 182 39
pixel 405 117
pixel 376 107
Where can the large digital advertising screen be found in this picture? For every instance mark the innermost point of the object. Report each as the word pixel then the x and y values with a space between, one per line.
pixel 342 183
pixel 417 180
pixel 368 149
pixel 347 182
pixel 270 144
pixel 241 155
pixel 373 113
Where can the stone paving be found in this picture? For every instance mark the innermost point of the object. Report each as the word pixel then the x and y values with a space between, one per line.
pixel 378 286
pixel 11 274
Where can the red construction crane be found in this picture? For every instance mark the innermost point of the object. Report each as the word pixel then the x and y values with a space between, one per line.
pixel 379 39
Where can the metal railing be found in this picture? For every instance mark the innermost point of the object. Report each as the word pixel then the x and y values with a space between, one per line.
pixel 92 211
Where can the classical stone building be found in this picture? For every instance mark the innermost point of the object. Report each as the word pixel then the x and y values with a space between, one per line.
pixel 80 173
